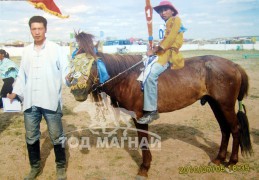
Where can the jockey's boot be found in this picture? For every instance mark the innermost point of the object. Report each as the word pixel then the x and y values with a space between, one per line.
pixel 148 117
pixel 60 162
pixel 34 157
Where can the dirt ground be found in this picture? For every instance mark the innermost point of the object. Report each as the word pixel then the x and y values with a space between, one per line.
pixel 190 138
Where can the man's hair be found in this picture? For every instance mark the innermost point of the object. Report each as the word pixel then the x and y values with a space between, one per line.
pixel 38 19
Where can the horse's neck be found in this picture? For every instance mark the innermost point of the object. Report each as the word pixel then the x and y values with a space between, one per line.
pixel 118 68
pixel 117 64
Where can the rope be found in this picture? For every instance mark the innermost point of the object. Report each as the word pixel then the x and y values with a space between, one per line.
pixel 100 85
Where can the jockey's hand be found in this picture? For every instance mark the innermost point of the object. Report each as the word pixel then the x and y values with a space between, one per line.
pixel 155 49
pixel 150 52
pixel 11 96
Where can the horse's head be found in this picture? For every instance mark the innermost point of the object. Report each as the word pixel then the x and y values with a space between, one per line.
pixel 83 75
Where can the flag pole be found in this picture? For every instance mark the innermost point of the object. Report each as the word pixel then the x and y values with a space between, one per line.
pixel 149 16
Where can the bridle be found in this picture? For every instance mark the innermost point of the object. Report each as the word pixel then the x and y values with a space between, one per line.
pixel 94 79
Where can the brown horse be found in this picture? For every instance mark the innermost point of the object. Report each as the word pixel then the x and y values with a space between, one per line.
pixel 211 79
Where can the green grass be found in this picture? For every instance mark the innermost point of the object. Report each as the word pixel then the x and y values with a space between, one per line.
pixel 231 54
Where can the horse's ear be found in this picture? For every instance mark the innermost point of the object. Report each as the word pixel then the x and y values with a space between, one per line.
pixel 97 44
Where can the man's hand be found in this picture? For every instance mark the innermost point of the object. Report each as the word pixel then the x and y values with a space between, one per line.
pixel 69 79
pixel 11 96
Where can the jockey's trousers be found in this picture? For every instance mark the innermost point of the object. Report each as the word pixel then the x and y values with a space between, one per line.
pixel 150 86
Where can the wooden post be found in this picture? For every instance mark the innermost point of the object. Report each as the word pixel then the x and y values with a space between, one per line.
pixel 149 16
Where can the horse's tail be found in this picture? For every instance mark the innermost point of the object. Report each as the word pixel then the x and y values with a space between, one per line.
pixel 244 84
pixel 244 134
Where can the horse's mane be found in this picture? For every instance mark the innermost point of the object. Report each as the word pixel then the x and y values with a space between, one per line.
pixel 115 63
pixel 86 44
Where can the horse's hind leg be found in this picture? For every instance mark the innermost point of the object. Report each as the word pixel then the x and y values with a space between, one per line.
pixel 225 132
pixel 231 118
pixel 146 154
pixel 228 122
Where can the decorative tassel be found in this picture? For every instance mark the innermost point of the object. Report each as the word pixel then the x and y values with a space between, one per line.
pixel 240 106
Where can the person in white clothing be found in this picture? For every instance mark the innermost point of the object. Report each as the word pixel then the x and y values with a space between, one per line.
pixel 43 68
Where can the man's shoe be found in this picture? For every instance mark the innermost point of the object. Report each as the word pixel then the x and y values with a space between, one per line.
pixel 148 117
pixel 60 161
pixel 34 157
pixel 33 173
pixel 61 174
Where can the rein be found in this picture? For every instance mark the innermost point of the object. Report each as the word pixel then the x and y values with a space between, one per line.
pixel 100 85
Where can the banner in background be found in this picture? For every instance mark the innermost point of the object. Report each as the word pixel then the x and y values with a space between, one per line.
pixel 48 6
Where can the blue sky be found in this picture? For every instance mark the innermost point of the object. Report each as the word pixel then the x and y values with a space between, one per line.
pixel 204 19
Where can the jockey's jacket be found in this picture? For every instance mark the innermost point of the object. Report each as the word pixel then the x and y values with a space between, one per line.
pixel 172 42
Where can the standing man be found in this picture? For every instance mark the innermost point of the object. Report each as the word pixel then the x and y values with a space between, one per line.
pixel 39 83
pixel 167 51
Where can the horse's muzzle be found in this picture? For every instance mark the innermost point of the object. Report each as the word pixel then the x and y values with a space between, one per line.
pixel 79 95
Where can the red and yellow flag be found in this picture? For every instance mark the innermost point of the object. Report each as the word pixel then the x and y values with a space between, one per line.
pixel 48 6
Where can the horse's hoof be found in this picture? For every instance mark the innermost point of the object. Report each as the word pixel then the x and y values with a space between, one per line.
pixel 138 177
pixel 218 163
pixel 229 170
pixel 211 163
pixel 215 162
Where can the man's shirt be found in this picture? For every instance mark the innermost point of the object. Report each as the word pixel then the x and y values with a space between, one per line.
pixel 39 80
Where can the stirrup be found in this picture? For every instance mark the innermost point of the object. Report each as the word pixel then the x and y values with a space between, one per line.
pixel 148 118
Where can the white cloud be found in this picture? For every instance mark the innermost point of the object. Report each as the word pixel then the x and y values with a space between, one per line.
pixel 242 24
pixel 123 19
pixel 223 21
pixel 236 1
pixel 77 9
pixel 188 21
pixel 14 30
pixel 200 14
pixel 204 22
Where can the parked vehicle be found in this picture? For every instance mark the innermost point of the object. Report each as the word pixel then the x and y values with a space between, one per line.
pixel 117 42
pixel 122 50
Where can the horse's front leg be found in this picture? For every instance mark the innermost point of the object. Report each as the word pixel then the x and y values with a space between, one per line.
pixel 146 154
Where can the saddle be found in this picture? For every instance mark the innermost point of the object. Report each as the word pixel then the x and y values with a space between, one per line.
pixel 146 70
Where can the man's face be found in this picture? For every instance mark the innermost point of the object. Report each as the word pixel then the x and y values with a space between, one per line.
pixel 165 13
pixel 38 32
pixel 1 56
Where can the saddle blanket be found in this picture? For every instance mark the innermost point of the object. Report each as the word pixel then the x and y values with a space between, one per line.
pixel 147 67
